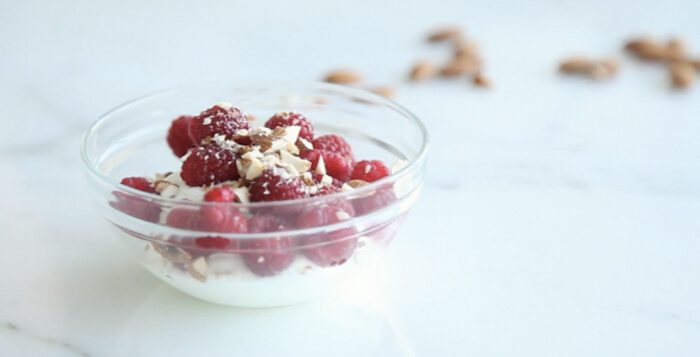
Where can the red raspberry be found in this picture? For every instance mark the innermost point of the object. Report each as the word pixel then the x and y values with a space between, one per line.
pixel 324 190
pixel 223 220
pixel 221 194
pixel 370 170
pixel 272 186
pixel 183 218
pixel 334 143
pixel 327 249
pixel 178 135
pixel 264 223
pixel 285 119
pixel 139 183
pixel 336 165
pixel 218 119
pixel 211 163
pixel 218 243
pixel 267 256
pixel 378 199
pixel 136 206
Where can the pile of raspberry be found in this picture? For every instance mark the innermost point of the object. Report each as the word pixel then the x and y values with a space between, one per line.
pixel 284 160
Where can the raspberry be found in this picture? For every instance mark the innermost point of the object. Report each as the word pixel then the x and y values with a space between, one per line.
pixel 139 183
pixel 221 194
pixel 178 135
pixel 218 243
pixel 264 223
pixel 336 165
pixel 370 170
pixel 136 206
pixel 267 256
pixel 183 218
pixel 334 143
pixel 219 119
pixel 271 186
pixel 222 218
pixel 327 249
pixel 285 119
pixel 211 163
pixel 323 190
pixel 377 200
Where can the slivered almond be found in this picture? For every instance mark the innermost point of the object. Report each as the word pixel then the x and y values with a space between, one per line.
pixel 344 76
pixel 384 91
pixel 695 63
pixel 458 67
pixel 682 75
pixel 445 34
pixel 596 69
pixel 466 49
pixel 481 81
pixel 422 70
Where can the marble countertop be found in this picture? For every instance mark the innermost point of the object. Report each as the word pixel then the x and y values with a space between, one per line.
pixel 559 218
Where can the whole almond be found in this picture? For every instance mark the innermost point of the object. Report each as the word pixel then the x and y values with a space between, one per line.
pixel 682 75
pixel 448 33
pixel 422 70
pixel 344 76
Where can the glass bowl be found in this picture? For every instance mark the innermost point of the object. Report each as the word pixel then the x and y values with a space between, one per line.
pixel 253 269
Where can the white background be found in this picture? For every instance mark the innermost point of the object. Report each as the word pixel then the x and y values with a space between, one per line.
pixel 560 216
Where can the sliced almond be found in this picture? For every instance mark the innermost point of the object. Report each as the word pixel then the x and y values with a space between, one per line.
pixel 342 215
pixel 308 179
pixel 171 253
pixel 304 145
pixel 357 183
pixel 299 164
pixel 242 194
pixel 344 76
pixel 255 169
pixel 326 180
pixel 320 166
pixel 481 81
pixel 198 269
pixel 225 105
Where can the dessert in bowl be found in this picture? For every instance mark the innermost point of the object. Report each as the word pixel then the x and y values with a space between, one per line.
pixel 256 197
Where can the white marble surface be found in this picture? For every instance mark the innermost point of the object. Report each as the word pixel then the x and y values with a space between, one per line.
pixel 560 217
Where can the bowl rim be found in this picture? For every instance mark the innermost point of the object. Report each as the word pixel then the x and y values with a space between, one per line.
pixel 334 88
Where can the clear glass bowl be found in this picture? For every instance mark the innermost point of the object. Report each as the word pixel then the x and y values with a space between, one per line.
pixel 250 272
